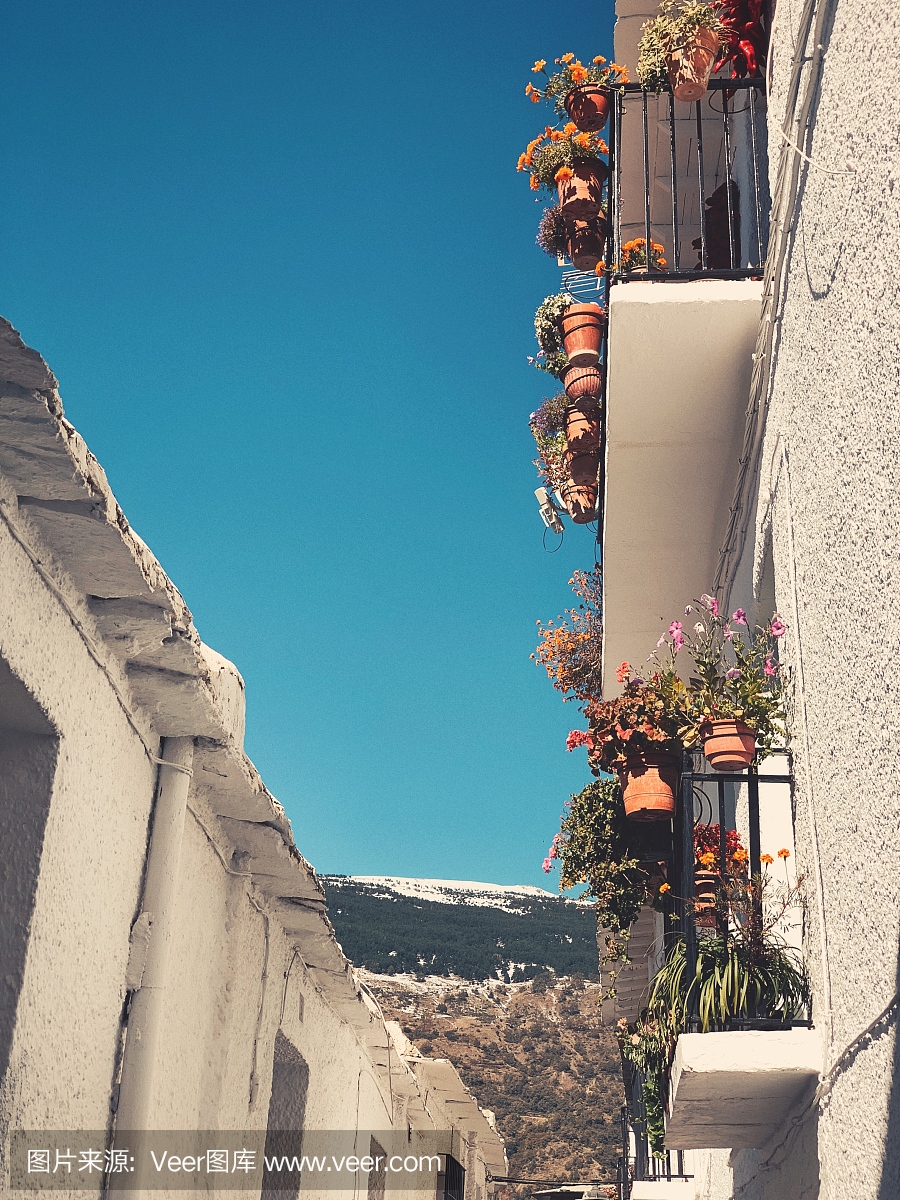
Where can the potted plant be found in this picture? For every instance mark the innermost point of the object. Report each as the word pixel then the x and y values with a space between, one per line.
pixel 582 382
pixel 707 869
pixel 621 862
pixel 634 257
pixel 548 427
pixel 570 163
pixel 570 649
pixel 736 693
pixel 582 242
pixel 583 93
pixel 568 333
pixel 679 47
pixel 637 735
pixel 745 975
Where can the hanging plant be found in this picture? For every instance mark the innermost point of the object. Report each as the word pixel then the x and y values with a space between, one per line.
pixel 548 426
pixel 556 154
pixel 571 650
pixel 580 91
pixel 678 47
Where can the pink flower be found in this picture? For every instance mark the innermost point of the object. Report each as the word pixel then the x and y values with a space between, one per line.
pixel 679 641
pixel 769 667
pixel 547 865
pixel 675 628
pixel 734 673
pixel 727 634
pixel 578 737
pixel 778 627
pixel 552 852
pixel 711 603
pixel 739 617
pixel 557 839
pixel 661 642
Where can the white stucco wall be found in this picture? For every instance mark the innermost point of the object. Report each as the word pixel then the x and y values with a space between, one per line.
pixel 829 504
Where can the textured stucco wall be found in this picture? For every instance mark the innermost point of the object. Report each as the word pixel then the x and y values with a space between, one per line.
pixel 829 506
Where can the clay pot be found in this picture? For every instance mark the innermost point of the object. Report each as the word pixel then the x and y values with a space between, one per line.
pixel 588 106
pixel 728 745
pixel 649 781
pixel 582 429
pixel 580 382
pixel 581 197
pixel 689 67
pixel 579 494
pixel 705 885
pixel 582 330
pixel 587 243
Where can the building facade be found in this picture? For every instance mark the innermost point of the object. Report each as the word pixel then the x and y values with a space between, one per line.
pixel 168 963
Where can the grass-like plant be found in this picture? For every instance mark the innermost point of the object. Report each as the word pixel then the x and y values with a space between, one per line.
pixel 672 29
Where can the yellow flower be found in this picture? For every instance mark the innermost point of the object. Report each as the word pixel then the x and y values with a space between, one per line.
pixel 784 853
pixel 563 175
pixel 539 65
pixel 767 859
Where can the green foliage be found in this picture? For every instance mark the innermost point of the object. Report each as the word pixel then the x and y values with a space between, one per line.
pixel 393 934
pixel 552 357
pixel 548 427
pixel 649 715
pixel 615 857
pixel 674 27
pixel 571 73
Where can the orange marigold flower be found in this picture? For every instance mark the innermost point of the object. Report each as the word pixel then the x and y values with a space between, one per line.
pixel 539 65
pixel 535 97
pixel 660 262
pixel 534 184
pixel 707 858
pixel 569 128
pixel 566 58
pixel 600 268
pixel 599 60
pixel 740 855
pixel 622 672
pixel 523 158
pixel 583 140
pixel 579 73
pixel 664 887
pixel 767 859
pixel 784 853
pixel 529 88
pixel 564 174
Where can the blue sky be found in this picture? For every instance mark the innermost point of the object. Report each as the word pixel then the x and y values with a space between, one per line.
pixel 283 266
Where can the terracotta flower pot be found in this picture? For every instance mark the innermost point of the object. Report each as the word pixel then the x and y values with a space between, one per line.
pixel 728 745
pixel 649 781
pixel 581 197
pixel 582 429
pixel 588 106
pixel 689 67
pixel 705 885
pixel 580 492
pixel 582 329
pixel 580 382
pixel 587 243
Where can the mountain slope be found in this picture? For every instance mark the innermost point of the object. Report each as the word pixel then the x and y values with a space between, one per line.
pixel 454 928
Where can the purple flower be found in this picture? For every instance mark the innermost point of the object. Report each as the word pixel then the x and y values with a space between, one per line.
pixel 637 679
pixel 734 673
pixel 739 617
pixel 778 627
pixel 688 611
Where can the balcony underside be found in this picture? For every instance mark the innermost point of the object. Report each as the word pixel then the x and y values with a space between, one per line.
pixel 735 1090
pixel 679 379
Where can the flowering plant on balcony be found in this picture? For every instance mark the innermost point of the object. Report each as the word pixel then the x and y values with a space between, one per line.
pixel 548 426
pixel 675 26
pixel 551 356
pixel 553 154
pixel 707 849
pixel 618 859
pixel 571 650
pixel 634 255
pixel 571 74
pixel 651 714
pixel 747 972
pixel 736 675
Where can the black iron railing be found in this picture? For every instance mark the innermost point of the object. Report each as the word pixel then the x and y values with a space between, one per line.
pixel 679 170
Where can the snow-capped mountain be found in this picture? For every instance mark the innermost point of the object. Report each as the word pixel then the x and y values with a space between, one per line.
pixel 462 928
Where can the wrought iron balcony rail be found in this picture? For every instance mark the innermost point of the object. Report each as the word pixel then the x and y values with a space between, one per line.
pixel 679 170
